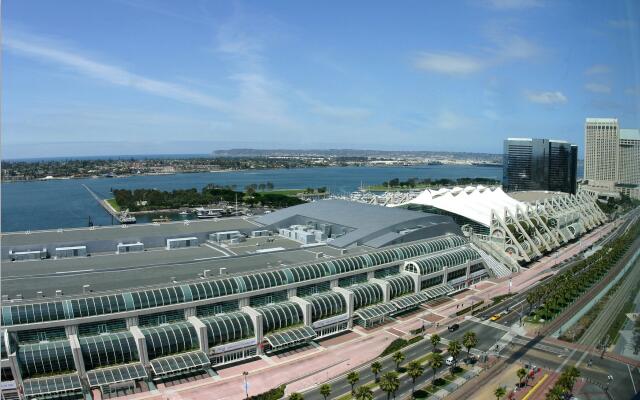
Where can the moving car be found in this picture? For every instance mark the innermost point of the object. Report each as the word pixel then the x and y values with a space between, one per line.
pixel 449 360
pixel 453 327
pixel 495 317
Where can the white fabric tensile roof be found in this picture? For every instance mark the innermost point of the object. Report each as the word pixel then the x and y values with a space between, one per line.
pixel 472 202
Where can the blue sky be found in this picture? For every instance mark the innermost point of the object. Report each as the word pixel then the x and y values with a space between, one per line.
pixel 138 76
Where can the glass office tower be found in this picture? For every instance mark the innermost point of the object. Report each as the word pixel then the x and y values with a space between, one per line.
pixel 539 164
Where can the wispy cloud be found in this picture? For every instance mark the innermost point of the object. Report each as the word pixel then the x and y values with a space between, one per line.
pixel 513 4
pixel 597 87
pixel 633 91
pixel 506 46
pixel 448 63
pixel 622 23
pixel 450 120
pixel 546 97
pixel 598 69
pixel 49 52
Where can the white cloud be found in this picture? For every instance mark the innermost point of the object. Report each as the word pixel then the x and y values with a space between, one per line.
pixel 598 69
pixel 513 4
pixel 449 120
pixel 546 97
pixel 597 87
pixel 113 74
pixel 448 63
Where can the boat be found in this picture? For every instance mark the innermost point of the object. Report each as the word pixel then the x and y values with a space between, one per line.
pixel 161 218
pixel 125 218
pixel 183 213
pixel 207 213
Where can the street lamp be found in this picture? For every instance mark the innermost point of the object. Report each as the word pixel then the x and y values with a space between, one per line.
pixel 246 385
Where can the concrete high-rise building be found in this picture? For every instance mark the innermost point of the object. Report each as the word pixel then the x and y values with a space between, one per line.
pixel 601 147
pixel 629 157
pixel 612 157
pixel 539 164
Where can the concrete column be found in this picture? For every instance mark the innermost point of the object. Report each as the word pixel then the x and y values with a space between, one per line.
pixel 13 360
pixel 306 309
pixel 333 283
pixel 256 318
pixel 189 312
pixel 71 330
pixel 348 298
pixel 371 275
pixel 132 321
pixel 445 271
pixel 468 270
pixel 201 330
pixel 77 354
pixel 386 288
pixel 244 302
pixel 292 292
pixel 141 344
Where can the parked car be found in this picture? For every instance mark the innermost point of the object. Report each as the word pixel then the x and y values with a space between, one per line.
pixel 453 327
pixel 449 360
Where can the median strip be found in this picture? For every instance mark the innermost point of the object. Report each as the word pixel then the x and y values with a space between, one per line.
pixel 536 386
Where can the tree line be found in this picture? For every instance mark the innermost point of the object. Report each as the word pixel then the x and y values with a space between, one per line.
pixel 413 182
pixel 154 199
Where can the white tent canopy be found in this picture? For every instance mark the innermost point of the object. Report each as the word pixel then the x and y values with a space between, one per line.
pixel 472 202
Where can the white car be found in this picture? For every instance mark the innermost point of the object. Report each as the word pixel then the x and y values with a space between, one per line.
pixel 449 360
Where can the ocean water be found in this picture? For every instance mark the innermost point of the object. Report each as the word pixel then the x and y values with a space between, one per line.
pixel 66 203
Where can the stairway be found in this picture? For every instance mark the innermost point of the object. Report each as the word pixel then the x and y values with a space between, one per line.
pixel 498 269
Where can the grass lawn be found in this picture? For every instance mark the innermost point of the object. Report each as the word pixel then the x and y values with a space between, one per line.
pixel 286 192
pixel 371 385
pixel 425 359
pixel 112 203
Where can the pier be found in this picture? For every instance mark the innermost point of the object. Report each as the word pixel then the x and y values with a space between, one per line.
pixel 121 217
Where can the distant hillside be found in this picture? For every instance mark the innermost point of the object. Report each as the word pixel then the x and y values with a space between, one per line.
pixel 350 153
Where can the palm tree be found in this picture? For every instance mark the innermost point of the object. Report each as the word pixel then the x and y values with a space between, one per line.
pixel 364 392
pixel 389 383
pixel 296 396
pixel 325 390
pixel 376 367
pixel 398 357
pixel 556 393
pixel 437 361
pixel 454 349
pixel 414 370
pixel 568 377
pixel 499 392
pixel 435 341
pixel 470 340
pixel 353 377
pixel 521 374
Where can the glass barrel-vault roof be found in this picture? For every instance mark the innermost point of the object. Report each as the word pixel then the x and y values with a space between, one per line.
pixel 180 362
pixel 290 337
pixel 435 263
pixel 229 327
pixel 280 315
pixel 365 294
pixel 52 385
pixel 122 373
pixel 326 304
pixel 104 350
pixel 400 284
pixel 45 358
pixel 169 339
pixel 375 312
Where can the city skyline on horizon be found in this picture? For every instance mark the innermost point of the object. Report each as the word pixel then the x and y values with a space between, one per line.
pixel 85 80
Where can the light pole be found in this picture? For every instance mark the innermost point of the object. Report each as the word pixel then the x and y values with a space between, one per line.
pixel 246 385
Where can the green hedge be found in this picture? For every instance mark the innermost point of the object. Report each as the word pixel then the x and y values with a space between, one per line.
pixel 273 394
pixel 398 344
pixel 466 310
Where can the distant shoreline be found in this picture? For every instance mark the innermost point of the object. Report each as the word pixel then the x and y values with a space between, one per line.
pixel 60 178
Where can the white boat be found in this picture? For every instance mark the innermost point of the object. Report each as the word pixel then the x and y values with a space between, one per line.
pixel 206 213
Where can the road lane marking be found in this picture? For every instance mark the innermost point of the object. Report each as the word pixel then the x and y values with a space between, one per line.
pixel 632 382
pixel 73 272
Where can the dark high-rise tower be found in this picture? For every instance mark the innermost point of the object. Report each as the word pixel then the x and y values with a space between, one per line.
pixel 539 164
